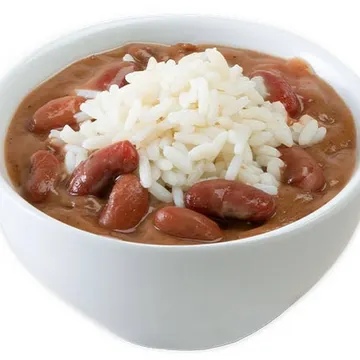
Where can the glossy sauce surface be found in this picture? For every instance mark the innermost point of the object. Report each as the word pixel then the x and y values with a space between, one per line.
pixel 335 154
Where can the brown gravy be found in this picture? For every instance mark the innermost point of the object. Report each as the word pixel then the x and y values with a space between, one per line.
pixel 335 154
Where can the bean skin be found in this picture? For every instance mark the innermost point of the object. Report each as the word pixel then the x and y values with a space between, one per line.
pixel 227 198
pixel 128 203
pixel 301 169
pixel 187 224
pixel 55 114
pixel 94 174
pixel 280 90
pixel 43 176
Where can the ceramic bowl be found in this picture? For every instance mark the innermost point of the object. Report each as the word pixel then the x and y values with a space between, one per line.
pixel 177 297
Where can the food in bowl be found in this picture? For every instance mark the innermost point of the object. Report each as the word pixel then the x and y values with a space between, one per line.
pixel 181 144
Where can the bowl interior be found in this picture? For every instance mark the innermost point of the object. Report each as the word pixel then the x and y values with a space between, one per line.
pixel 172 29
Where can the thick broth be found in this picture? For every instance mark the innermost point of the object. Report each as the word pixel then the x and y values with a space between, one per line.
pixel 336 154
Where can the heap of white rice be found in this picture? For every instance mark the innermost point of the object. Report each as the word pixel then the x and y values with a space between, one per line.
pixel 190 121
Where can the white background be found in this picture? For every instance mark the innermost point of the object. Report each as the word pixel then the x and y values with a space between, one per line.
pixel 35 324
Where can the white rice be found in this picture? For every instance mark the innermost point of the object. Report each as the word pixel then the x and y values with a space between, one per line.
pixel 81 117
pixel 145 171
pixel 70 161
pixel 178 196
pixel 308 132
pixel 190 121
pixel 160 192
pixel 234 167
pixel 128 57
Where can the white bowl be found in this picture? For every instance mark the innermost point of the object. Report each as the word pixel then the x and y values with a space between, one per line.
pixel 178 297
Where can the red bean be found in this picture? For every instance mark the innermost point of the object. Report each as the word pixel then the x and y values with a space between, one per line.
pixel 95 173
pixel 112 74
pixel 188 224
pixel 226 198
pixel 56 114
pixel 301 169
pixel 44 173
pixel 280 90
pixel 128 203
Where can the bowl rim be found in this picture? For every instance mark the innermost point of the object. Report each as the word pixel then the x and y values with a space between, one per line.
pixel 335 204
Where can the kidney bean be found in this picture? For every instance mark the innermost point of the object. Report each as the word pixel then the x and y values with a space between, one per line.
pixel 188 224
pixel 44 173
pixel 94 174
pixel 128 203
pixel 56 114
pixel 301 169
pixel 226 198
pixel 280 90
pixel 112 74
